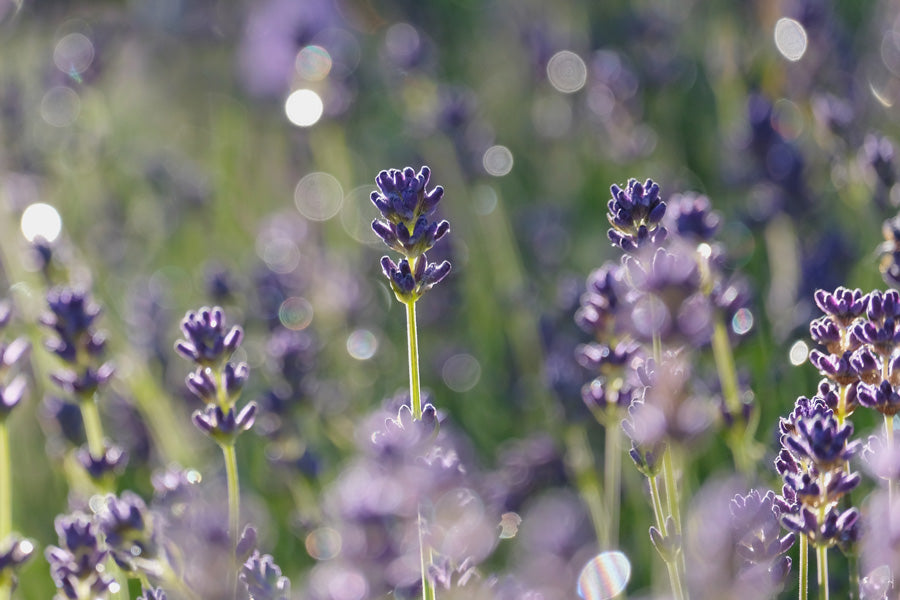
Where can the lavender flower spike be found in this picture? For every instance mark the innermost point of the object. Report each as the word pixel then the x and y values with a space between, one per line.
pixel 635 214
pixel 263 578
pixel 207 343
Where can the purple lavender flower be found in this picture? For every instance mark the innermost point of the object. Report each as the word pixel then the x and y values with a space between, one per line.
pixel 126 527
pixel 665 301
pixel 635 214
pixel 207 342
pixel 403 199
pixel 409 285
pixel 743 554
pixel 843 305
pixel 112 462
pixel 72 316
pixel 77 563
pixel 153 594
pixel 14 552
pixel 224 425
pixel 263 578
pixel 691 216
pixel 883 397
pixel 890 252
pixel 600 301
pixel 11 395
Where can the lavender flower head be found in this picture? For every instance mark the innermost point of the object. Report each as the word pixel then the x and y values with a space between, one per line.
pixel 215 380
pixel 76 565
pixel 635 214
pixel 207 342
pixel 406 205
pixel 263 578
pixel 14 552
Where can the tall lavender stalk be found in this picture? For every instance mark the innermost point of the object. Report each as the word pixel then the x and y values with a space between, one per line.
pixel 14 551
pixel 218 382
pixel 406 205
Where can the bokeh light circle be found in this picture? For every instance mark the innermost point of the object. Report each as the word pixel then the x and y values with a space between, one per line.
pixel 742 321
pixel 313 63
pixel 497 161
pixel 461 372
pixel 790 39
pixel 295 313
pixel 60 106
pixel 40 220
pixel 323 543
pixel 362 344
pixel 304 108
pixel 318 196
pixel 604 576
pixel 798 353
pixel 566 71
pixel 73 54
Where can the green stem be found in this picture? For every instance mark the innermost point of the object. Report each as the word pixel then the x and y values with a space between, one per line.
pixel 822 572
pixel 671 488
pixel 582 464
pixel 671 564
pixel 93 428
pixel 724 359
pixel 612 460
pixel 234 517
pixel 412 340
pixel 853 566
pixel 428 591
pixel 803 567
pixel 5 483
pixel 5 502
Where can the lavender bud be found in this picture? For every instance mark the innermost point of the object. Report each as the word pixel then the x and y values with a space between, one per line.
pixel 234 377
pixel 112 461
pixel 207 343
pixel 222 426
pixel 263 578
pixel 635 214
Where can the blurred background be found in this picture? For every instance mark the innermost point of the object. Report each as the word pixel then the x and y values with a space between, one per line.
pixel 173 154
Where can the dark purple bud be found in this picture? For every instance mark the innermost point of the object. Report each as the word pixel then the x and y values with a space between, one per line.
pixel 235 376
pixel 153 594
pixel 246 543
pixel 843 304
pixel 207 342
pixel 201 383
pixel 112 461
pixel 224 426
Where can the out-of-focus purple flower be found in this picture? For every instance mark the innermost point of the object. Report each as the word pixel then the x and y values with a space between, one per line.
pixel 207 343
pixel 665 301
pixel 275 31
pixel 600 301
pixel 14 552
pixel 76 564
pixel 112 462
pixel 691 216
pixel 877 155
pixel 125 523
pixel 635 214
pixel 882 459
pixel 263 578
pixel 153 594
pixel 734 546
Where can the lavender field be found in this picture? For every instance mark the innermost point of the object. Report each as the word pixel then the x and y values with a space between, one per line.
pixel 456 299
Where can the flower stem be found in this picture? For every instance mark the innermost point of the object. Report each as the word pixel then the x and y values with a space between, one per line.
pixel 822 572
pixel 428 591
pixel 412 340
pixel 5 483
pixel 580 460
pixel 671 489
pixel 234 518
pixel 5 501
pixel 671 564
pixel 612 460
pixel 724 359
pixel 803 567
pixel 93 428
